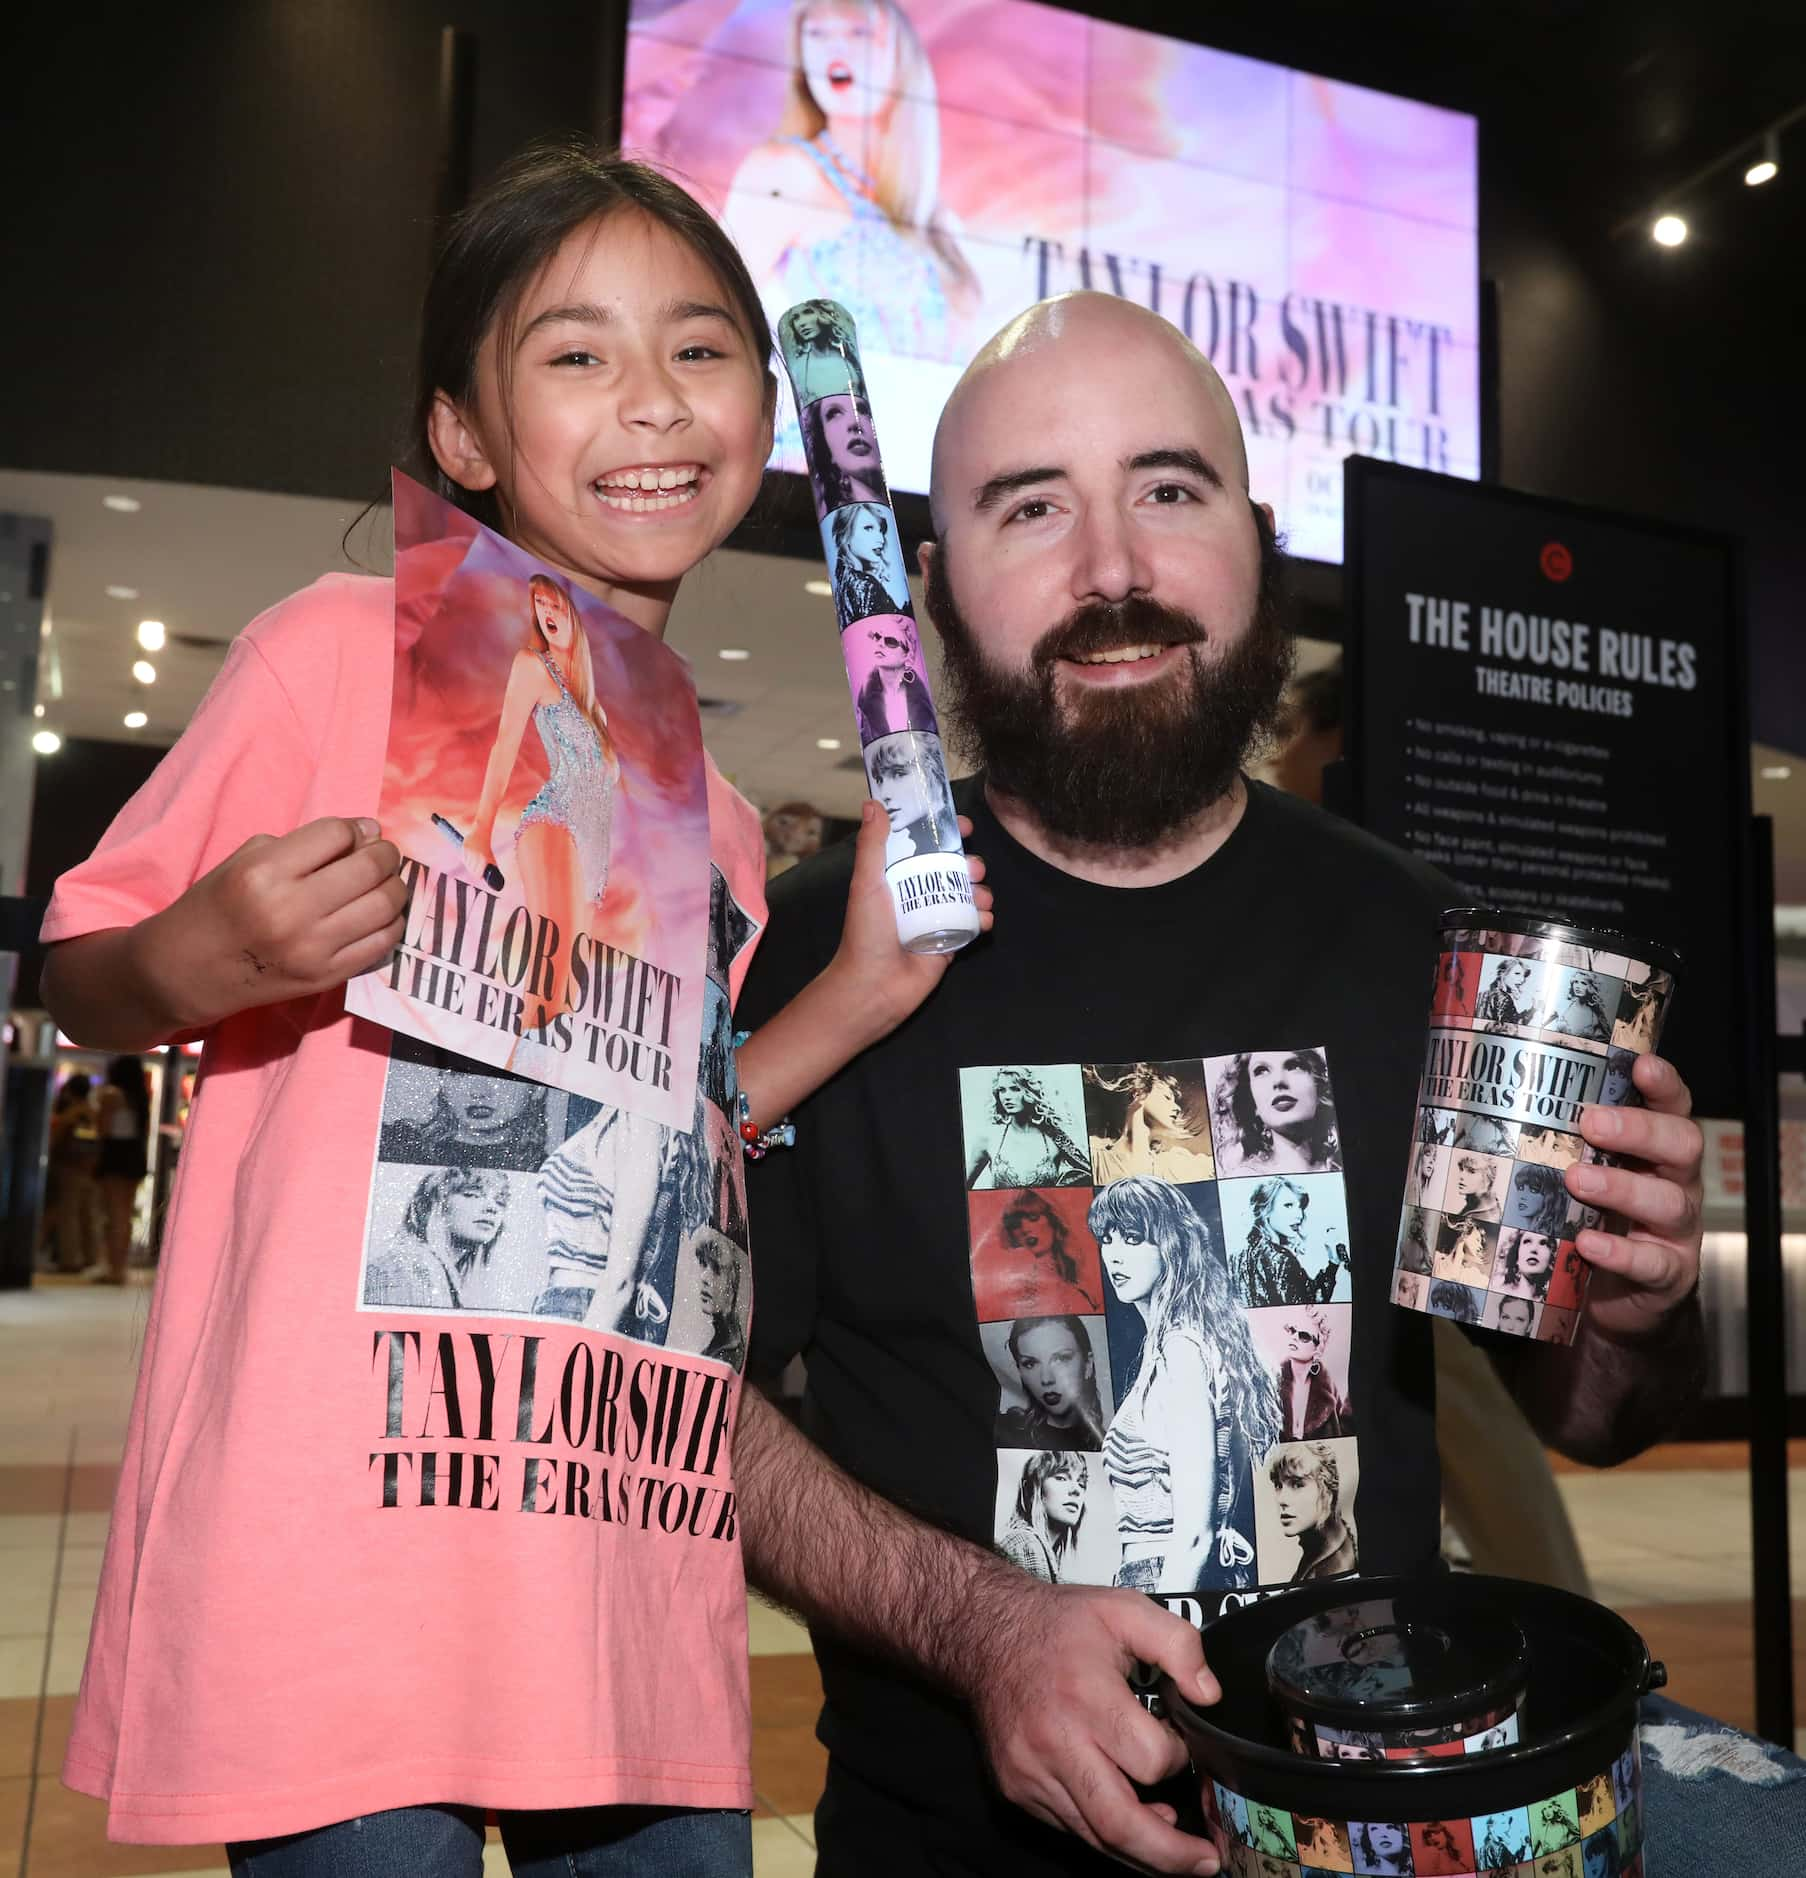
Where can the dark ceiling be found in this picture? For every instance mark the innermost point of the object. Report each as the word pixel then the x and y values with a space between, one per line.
pixel 219 221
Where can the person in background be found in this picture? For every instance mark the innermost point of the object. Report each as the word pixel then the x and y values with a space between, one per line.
pixel 71 1233
pixel 793 832
pixel 123 1122
pixel 1498 1491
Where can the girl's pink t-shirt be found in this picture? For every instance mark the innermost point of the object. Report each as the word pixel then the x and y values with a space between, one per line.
pixel 366 1557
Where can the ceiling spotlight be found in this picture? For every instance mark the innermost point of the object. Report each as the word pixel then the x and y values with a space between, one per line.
pixel 150 634
pixel 122 593
pixel 820 588
pixel 827 743
pixel 145 672
pixel 735 654
pixel 1776 772
pixel 121 505
pixel 1669 231
pixel 135 720
pixel 1767 166
pixel 46 742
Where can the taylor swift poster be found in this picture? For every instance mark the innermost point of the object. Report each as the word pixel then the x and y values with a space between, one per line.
pixel 545 782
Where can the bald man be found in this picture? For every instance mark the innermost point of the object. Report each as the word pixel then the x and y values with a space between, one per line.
pixel 1108 596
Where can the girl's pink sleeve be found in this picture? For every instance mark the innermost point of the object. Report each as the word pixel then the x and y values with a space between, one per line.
pixel 242 767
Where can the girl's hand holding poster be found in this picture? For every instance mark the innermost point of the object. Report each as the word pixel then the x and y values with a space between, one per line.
pixel 545 783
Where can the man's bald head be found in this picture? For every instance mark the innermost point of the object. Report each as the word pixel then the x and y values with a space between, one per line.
pixel 1069 334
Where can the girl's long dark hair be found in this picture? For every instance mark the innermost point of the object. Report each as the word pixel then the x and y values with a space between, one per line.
pixel 493 249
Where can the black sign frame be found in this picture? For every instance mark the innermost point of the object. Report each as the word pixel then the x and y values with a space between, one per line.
pixel 1711 994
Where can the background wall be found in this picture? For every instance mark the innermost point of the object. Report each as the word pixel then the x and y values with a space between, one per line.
pixel 221 217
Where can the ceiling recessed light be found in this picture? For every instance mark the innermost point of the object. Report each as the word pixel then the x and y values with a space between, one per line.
pixel 734 654
pixel 1669 230
pixel 122 505
pixel 1776 772
pixel 150 634
pixel 135 720
pixel 820 588
pixel 145 672
pixel 46 742
pixel 827 743
pixel 1759 173
pixel 122 593
pixel 37 710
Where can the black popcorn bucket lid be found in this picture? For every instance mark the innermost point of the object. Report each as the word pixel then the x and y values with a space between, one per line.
pixel 1475 919
pixel 1411 1669
pixel 1587 1671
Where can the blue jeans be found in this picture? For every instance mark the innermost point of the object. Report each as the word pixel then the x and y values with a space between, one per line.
pixel 447 1842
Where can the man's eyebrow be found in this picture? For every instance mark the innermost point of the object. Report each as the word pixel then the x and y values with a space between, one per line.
pixel 1183 458
pixel 588 313
pixel 994 490
pixel 991 492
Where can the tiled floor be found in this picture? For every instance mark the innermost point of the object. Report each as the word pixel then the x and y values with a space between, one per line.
pixel 1666 1541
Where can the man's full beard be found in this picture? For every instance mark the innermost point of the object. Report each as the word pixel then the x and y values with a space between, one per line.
pixel 1127 767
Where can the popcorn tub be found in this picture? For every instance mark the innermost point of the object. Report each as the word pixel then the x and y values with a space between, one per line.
pixel 1564 1800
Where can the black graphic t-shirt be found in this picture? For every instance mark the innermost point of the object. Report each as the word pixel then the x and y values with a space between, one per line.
pixel 1090 1260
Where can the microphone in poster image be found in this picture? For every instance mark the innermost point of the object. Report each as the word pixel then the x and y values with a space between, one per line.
pixel 493 877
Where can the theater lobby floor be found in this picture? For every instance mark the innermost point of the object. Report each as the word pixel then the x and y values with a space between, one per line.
pixel 1666 1541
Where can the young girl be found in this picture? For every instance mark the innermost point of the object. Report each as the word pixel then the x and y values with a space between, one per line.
pixel 376 1568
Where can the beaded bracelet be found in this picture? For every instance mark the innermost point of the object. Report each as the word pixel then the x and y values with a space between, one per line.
pixel 755 1143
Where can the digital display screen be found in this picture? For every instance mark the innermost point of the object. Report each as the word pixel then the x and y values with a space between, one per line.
pixel 937 165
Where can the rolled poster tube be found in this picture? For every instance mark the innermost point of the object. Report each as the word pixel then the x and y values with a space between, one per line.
pixel 905 764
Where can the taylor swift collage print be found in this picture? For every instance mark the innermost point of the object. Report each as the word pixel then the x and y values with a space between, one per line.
pixel 495 1196
pixel 1160 1267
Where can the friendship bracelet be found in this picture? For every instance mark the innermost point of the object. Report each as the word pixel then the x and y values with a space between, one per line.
pixel 756 1144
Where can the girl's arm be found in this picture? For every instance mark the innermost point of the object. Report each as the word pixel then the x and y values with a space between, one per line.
pixel 279 918
pixel 525 680
pixel 865 991
pixel 1190 1417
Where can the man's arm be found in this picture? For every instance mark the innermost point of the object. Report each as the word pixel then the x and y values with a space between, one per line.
pixel 1639 1361
pixel 1044 1667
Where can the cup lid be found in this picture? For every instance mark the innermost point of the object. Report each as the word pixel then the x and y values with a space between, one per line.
pixel 1421 1656
pixel 1565 932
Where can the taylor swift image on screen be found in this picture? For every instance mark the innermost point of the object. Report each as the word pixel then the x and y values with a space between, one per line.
pixel 843 201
